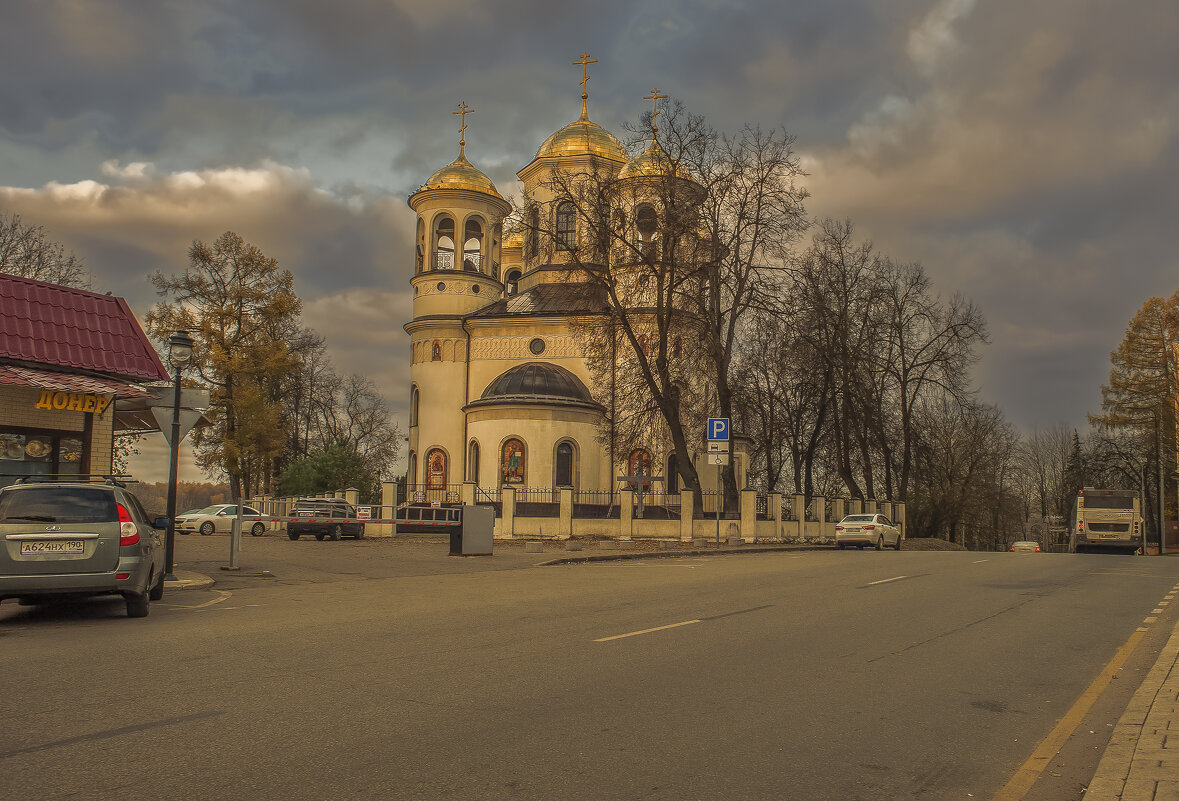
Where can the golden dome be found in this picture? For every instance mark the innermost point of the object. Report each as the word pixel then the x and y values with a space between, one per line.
pixel 583 138
pixel 654 163
pixel 460 174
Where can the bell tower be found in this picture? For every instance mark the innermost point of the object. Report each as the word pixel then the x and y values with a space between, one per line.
pixel 457 255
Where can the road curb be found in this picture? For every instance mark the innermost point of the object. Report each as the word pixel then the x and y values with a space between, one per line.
pixel 613 557
pixel 189 580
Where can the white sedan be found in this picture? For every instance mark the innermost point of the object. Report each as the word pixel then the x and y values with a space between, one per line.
pixel 872 529
pixel 219 518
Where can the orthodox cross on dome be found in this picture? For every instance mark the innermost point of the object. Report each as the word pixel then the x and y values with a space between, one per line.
pixel 585 62
pixel 655 97
pixel 463 111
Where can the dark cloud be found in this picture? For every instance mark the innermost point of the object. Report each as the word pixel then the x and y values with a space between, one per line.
pixel 1023 153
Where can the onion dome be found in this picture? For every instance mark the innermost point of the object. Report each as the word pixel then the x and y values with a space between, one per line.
pixel 583 137
pixel 654 163
pixel 461 174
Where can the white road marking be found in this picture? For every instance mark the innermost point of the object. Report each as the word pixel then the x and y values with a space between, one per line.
pixel 225 594
pixel 646 631
pixel 885 581
pixel 979 561
pixel 1150 620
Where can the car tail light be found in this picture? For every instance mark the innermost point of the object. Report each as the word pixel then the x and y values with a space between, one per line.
pixel 128 531
pixel 1037 549
pixel 869 528
pixel 1013 549
pixel 122 576
pixel 1080 525
pixel 839 528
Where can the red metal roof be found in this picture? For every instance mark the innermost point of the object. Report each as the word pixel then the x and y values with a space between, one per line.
pixel 58 326
pixel 64 382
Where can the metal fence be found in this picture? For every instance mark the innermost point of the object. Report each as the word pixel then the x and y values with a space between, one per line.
pixel 422 493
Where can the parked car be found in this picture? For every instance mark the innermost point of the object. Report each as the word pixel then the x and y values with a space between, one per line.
pixel 78 538
pixel 1025 545
pixel 326 518
pixel 869 529
pixel 219 518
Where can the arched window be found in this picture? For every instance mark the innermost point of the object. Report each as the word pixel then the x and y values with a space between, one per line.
pixel 563 465
pixel 513 282
pixel 566 226
pixel 412 478
pixel 533 232
pixel 473 462
pixel 672 479
pixel 444 244
pixel 436 353
pixel 414 396
pixel 647 225
pixel 473 247
pixel 511 463
pixel 436 469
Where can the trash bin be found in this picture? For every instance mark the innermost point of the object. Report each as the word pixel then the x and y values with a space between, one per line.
pixel 473 535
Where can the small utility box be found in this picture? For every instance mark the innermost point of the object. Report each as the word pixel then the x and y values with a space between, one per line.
pixel 474 536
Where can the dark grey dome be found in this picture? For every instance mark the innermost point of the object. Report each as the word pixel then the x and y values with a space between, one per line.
pixel 538 379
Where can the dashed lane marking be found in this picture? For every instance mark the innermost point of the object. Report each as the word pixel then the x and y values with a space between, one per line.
pixel 647 631
pixel 885 581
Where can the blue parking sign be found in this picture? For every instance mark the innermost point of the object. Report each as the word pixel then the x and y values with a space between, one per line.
pixel 718 429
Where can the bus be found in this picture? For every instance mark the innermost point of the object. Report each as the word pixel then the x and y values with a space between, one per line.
pixel 1107 521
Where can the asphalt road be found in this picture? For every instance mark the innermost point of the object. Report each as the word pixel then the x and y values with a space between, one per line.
pixel 378 670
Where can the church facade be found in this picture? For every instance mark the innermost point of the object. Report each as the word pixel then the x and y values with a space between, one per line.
pixel 502 394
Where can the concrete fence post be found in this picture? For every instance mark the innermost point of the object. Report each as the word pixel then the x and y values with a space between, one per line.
pixel 749 515
pixel 775 501
pixel 687 514
pixel 899 511
pixel 467 493
pixel 819 510
pixel 870 506
pixel 626 513
pixel 508 524
pixel 798 512
pixel 857 506
pixel 566 525
pixel 838 512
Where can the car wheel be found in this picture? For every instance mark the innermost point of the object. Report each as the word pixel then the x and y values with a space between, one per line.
pixel 337 532
pixel 138 605
pixel 880 543
pixel 898 545
pixel 320 537
pixel 293 535
pixel 157 592
pixel 257 530
pixel 207 528
pixel 360 533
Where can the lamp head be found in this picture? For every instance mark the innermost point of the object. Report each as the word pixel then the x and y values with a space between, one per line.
pixel 179 350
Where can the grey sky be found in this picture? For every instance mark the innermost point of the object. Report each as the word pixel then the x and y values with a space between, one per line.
pixel 1025 153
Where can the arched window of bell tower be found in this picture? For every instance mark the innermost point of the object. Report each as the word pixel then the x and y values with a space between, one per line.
pixel 566 226
pixel 444 243
pixel 420 247
pixel 473 246
pixel 648 225
pixel 513 282
pixel 533 232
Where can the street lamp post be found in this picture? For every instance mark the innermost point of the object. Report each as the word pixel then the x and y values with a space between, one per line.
pixel 179 355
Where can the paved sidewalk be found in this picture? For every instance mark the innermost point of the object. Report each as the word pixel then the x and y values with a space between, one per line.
pixel 1141 762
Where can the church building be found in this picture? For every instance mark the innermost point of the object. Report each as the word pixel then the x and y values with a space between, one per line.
pixel 501 392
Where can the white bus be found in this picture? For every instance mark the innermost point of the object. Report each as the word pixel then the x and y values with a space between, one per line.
pixel 1107 520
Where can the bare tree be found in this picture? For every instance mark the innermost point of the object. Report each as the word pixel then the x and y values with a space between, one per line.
pixel 26 250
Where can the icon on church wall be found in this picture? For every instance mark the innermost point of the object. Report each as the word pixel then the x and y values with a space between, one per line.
pixel 512 462
pixel 436 470
pixel 436 356
pixel 639 464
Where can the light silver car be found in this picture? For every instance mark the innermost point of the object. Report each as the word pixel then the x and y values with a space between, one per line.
pixel 76 538
pixel 218 519
pixel 1025 545
pixel 867 529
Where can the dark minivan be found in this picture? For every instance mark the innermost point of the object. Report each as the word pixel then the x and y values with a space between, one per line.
pixel 326 518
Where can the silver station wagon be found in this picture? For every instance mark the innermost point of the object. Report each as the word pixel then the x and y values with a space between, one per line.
pixel 77 538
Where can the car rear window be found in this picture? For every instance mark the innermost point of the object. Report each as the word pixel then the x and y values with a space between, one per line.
pixel 58 505
pixel 859 518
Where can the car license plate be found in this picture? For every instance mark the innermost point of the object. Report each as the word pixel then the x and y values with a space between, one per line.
pixel 65 547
